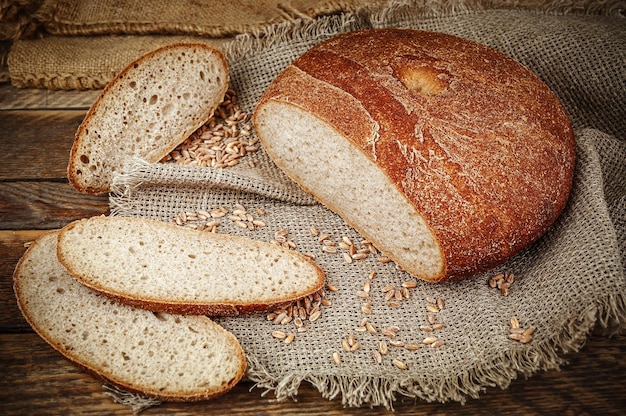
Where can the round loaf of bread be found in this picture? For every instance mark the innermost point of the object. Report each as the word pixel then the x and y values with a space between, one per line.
pixel 449 156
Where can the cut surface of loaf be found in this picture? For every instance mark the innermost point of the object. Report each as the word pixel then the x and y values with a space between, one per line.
pixel 164 267
pixel 152 105
pixel 447 155
pixel 167 357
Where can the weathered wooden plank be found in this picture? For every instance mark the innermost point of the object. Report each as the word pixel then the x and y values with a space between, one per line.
pixel 38 380
pixel 12 98
pixel 11 250
pixel 36 144
pixel 45 205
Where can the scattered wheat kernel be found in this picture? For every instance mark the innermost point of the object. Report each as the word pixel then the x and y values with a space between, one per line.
pixel 366 309
pixel 432 308
pixel 378 358
pixel 271 316
pixel 326 302
pixel 323 237
pixel 426 328
pixel 241 224
pixel 344 246
pixel 396 343
pixel 372 274
pixel 337 358
pixel 411 347
pixel 258 223
pixel 367 287
pixel 430 318
pixel 410 284
pixel 279 318
pixel 347 241
pixel 360 329
pixel 345 345
pixel 441 303
pixel 384 259
pixel 514 322
pixel 393 304
pixel 516 337
pixel 359 256
pixel 525 339
pixel 517 330
pixel 529 331
pixel 351 339
pixel 290 338
pixel 315 316
pixel 356 346
pixel 331 288
pixel 388 332
pixel 399 364
pixel 437 343
pixel 279 334
pixel 370 328
pixel 509 277
pixel 302 329
pixel 329 249
pixel 314 231
pixel 382 347
pixel 388 288
pixel 429 340
pixel 347 257
pixel 362 294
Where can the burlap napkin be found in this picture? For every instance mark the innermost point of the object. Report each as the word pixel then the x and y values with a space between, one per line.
pixel 569 281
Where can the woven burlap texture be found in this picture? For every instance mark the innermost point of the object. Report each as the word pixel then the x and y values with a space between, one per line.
pixel 189 17
pixel 68 55
pixel 566 283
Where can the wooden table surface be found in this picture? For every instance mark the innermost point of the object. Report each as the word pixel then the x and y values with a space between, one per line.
pixel 36 133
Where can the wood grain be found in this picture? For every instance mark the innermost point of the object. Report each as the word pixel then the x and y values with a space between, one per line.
pixel 44 205
pixel 48 383
pixel 36 380
pixel 36 144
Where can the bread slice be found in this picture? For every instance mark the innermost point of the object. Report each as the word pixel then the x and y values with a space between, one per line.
pixel 167 357
pixel 153 105
pixel 167 268
pixel 447 155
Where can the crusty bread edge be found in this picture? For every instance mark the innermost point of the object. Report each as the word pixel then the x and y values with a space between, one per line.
pixel 120 384
pixel 122 74
pixel 190 308
pixel 334 208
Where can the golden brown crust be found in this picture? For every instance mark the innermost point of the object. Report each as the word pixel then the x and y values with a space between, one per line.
pixel 476 142
pixel 74 159
pixel 93 368
pixel 177 306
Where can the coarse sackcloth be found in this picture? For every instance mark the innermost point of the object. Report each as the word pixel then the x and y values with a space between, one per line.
pixel 566 283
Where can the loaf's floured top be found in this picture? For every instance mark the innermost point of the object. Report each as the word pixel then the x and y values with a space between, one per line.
pixel 448 155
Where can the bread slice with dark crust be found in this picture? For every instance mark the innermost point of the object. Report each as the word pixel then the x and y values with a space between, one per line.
pixel 447 155
pixel 167 268
pixel 162 356
pixel 148 109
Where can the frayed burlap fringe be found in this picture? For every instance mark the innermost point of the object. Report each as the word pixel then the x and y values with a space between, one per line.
pixel 499 372
pixel 205 18
pixel 356 386
pixel 134 401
